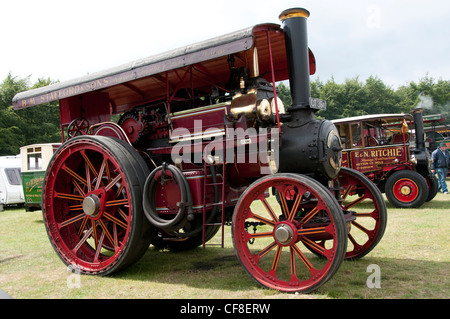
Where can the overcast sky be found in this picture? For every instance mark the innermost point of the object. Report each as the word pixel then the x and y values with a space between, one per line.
pixel 396 40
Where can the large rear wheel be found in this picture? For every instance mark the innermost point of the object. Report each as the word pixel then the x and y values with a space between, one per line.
pixel 92 205
pixel 275 222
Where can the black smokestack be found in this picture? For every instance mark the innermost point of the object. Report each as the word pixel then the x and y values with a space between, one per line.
pixel 418 125
pixel 294 26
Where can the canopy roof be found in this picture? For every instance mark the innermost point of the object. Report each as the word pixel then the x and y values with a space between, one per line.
pixel 197 67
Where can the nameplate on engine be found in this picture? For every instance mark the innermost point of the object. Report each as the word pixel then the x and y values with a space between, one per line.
pixel 317 104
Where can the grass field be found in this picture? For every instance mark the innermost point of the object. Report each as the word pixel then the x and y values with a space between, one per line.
pixel 413 259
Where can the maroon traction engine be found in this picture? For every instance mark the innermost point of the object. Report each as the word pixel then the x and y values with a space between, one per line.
pixel 200 140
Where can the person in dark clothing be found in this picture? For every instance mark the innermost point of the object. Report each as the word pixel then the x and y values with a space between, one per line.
pixel 440 164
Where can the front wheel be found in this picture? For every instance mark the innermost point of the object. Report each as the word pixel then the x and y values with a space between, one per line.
pixel 406 189
pixel 276 222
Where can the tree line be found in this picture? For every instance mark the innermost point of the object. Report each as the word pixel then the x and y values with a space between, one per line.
pixel 40 124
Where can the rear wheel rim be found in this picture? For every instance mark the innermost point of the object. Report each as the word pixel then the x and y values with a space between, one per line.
pixel 88 207
pixel 275 255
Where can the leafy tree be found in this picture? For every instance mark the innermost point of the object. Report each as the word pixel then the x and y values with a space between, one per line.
pixel 38 124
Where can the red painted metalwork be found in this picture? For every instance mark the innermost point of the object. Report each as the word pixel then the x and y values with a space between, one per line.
pixel 200 129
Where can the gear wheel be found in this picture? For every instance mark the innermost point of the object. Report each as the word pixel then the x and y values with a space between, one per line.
pixel 133 126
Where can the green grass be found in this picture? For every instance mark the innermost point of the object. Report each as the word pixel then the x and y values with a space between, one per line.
pixel 413 257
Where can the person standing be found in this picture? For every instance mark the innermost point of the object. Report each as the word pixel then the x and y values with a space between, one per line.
pixel 440 164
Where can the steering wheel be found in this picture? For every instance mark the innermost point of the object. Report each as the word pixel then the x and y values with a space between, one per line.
pixel 78 126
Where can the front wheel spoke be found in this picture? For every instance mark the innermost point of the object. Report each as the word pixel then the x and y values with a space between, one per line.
pixel 363 214
pixel 360 227
pixel 276 260
pixel 302 257
pixel 261 235
pixel 313 245
pixel 267 249
pixel 292 264
pixel 263 220
pixel 355 202
pixel 347 191
pixel 269 210
pixel 295 207
pixel 284 206
pixel 310 231
pixel 310 215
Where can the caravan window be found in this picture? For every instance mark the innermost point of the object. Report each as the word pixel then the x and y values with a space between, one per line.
pixel 13 175
pixel 35 161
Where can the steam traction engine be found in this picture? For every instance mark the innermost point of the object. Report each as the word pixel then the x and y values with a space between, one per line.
pixel 203 141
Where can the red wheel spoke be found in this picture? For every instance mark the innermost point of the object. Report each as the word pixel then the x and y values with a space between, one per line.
pixel 75 207
pixel 94 232
pixel 105 230
pixel 72 220
pixel 292 264
pixel 100 174
pixel 267 249
pixel 284 206
pixel 89 163
pixel 83 225
pixel 269 210
pixel 122 213
pixel 310 231
pixel 78 188
pixel 302 257
pixel 119 190
pixel 116 241
pixel 363 214
pixel 115 220
pixel 310 215
pixel 83 240
pixel 313 245
pixel 117 202
pixel 360 227
pixel 75 175
pixel 347 191
pixel 356 201
pixel 113 182
pixel 261 235
pixel 276 260
pixel 99 246
pixel 298 199
pixel 263 220
pixel 69 196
